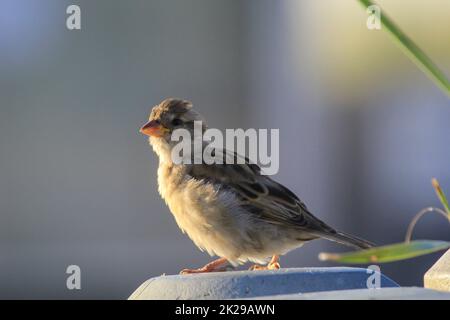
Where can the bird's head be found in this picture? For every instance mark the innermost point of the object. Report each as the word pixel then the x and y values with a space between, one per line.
pixel 167 116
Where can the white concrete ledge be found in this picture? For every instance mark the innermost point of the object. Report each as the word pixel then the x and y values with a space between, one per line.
pixel 248 284
pixel 404 293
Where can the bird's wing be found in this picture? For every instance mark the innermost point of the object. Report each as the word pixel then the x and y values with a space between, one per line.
pixel 260 195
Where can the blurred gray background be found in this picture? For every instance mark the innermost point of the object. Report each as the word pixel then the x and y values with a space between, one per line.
pixel 362 129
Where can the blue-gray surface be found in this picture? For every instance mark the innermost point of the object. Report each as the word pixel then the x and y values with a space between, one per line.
pixel 248 284
pixel 399 293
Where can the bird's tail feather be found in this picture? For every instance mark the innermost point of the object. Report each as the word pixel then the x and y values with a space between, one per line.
pixel 348 240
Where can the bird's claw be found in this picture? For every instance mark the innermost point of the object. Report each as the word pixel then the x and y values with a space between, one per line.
pixel 191 271
pixel 218 265
pixel 270 266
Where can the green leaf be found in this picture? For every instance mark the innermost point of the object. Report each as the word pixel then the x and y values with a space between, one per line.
pixel 413 51
pixel 441 195
pixel 388 253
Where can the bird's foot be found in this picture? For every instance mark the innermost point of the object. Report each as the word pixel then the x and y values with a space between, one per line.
pixel 272 265
pixel 218 265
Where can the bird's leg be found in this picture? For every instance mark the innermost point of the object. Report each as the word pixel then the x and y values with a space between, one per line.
pixel 272 265
pixel 214 266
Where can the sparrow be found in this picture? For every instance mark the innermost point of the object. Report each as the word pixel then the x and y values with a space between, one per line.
pixel 230 210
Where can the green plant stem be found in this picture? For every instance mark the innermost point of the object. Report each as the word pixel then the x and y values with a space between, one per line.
pixel 418 216
pixel 413 51
pixel 441 195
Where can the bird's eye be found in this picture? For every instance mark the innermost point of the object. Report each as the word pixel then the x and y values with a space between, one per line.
pixel 176 122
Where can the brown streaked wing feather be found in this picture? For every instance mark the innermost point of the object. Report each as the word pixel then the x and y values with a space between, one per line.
pixel 260 195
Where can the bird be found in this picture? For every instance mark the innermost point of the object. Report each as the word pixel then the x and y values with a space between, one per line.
pixel 230 210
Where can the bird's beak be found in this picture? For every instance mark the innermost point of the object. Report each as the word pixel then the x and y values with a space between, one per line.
pixel 154 128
